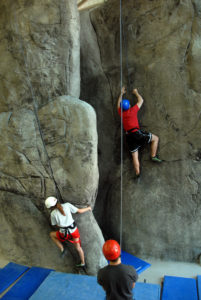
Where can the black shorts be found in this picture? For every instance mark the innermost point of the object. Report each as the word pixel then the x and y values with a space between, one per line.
pixel 137 139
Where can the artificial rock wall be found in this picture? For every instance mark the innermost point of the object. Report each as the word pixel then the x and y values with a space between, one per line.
pixel 162 58
pixel 48 140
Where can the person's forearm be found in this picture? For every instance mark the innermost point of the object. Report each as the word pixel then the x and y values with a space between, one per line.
pixel 83 210
pixel 119 100
pixel 140 100
pixel 123 91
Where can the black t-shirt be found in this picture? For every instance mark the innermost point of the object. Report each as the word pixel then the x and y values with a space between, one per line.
pixel 117 281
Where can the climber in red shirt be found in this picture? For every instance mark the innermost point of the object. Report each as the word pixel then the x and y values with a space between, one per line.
pixel 136 137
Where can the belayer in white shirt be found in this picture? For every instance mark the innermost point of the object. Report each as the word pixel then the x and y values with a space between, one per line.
pixel 61 216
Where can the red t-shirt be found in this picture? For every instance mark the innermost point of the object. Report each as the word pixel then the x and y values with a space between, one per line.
pixel 130 119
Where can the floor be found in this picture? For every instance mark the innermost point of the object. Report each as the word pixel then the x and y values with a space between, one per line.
pixel 159 268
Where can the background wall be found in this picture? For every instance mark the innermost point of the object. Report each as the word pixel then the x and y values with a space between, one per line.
pixel 161 57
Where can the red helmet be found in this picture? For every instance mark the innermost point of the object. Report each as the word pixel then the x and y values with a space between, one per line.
pixel 111 250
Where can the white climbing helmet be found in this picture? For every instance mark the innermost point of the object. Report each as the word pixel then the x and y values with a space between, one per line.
pixel 50 201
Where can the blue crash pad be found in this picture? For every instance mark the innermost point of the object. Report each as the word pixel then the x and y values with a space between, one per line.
pixel 62 286
pixel 199 286
pixel 9 274
pixel 146 291
pixel 139 264
pixel 27 285
pixel 179 288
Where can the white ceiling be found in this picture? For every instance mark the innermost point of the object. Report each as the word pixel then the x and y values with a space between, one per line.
pixel 84 4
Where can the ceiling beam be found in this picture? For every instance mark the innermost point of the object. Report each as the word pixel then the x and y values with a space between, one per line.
pixel 82 2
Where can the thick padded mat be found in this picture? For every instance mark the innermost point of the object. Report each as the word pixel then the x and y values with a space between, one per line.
pixel 27 285
pixel 147 291
pixel 179 288
pixel 139 264
pixel 9 274
pixel 60 286
pixel 199 286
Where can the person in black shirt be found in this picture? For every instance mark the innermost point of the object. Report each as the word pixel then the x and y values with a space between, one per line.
pixel 117 279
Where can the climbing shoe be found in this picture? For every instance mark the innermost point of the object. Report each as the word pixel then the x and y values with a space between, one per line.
pixel 156 159
pixel 80 265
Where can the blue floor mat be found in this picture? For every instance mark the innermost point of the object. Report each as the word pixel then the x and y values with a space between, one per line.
pixel 179 288
pixel 199 286
pixel 9 274
pixel 139 264
pixel 60 286
pixel 147 291
pixel 27 285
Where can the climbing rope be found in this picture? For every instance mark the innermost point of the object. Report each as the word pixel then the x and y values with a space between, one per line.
pixel 35 109
pixel 121 85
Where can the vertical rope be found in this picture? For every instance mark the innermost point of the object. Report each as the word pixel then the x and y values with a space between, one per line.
pixel 121 73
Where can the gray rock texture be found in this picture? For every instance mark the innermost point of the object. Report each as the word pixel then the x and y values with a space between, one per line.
pixel 161 57
pixel 48 141
pixel 41 50
pixel 95 89
pixel 68 128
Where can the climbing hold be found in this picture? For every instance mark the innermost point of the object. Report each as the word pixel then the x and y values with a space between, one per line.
pixel 111 250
